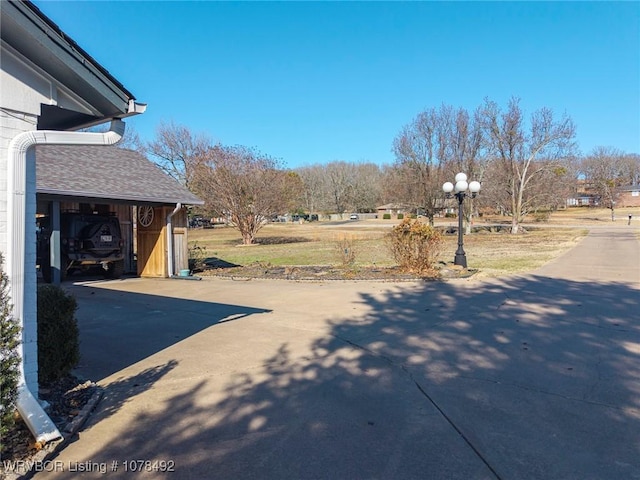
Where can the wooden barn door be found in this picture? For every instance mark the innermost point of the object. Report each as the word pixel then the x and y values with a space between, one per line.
pixel 151 240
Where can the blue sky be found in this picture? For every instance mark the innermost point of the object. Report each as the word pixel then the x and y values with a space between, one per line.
pixel 316 82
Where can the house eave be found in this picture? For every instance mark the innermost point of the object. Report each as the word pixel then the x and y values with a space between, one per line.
pixel 28 31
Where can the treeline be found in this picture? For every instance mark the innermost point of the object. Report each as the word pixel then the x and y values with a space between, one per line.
pixel 525 163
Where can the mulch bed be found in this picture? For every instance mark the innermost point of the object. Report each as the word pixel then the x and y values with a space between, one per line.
pixel 319 272
pixel 66 397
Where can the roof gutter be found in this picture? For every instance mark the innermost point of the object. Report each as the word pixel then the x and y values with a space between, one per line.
pixel 20 154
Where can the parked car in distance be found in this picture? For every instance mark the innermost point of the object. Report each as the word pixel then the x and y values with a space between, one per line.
pixel 354 216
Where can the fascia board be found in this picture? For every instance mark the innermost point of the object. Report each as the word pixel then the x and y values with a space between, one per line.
pixel 28 33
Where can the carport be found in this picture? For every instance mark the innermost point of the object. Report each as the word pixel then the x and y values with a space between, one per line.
pixel 150 205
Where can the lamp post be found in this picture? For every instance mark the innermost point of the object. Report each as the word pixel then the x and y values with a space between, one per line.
pixel 462 189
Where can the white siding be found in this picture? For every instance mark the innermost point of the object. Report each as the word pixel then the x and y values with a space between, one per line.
pixel 22 89
pixel 22 93
pixel 25 87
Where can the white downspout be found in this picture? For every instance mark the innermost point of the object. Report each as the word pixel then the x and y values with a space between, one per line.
pixel 21 153
pixel 170 240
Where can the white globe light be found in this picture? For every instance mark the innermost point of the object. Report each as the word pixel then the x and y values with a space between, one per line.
pixel 447 187
pixel 474 187
pixel 461 177
pixel 461 186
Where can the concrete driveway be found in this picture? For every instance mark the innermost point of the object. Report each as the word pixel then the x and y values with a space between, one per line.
pixel 533 376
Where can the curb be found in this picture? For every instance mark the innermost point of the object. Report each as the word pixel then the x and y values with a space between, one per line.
pixel 79 420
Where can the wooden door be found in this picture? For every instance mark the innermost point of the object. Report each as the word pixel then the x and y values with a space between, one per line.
pixel 151 241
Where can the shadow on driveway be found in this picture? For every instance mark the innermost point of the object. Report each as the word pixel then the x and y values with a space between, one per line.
pixel 120 328
pixel 530 377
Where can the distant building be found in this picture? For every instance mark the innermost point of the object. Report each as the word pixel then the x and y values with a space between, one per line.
pixel 587 196
pixel 392 209
pixel 629 196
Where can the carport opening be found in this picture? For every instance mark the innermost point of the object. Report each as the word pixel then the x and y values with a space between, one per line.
pixel 105 240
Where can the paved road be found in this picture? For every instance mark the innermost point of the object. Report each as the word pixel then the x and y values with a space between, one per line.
pixel 607 254
pixel 532 376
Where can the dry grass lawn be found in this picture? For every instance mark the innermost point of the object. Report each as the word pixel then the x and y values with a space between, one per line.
pixel 493 254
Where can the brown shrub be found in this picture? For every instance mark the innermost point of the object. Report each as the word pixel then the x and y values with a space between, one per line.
pixel 415 246
pixel 346 251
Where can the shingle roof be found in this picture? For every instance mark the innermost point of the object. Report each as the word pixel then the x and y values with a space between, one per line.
pixel 106 172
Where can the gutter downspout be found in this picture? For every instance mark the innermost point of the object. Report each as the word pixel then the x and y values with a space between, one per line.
pixel 170 240
pixel 21 156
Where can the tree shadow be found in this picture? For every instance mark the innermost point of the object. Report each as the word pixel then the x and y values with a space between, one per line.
pixel 528 377
pixel 119 328
pixel 123 389
pixel 215 262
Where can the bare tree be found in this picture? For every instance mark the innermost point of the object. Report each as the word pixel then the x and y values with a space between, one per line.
pixel 605 170
pixel 244 185
pixel 418 169
pixel 438 144
pixel 314 193
pixel 293 191
pixel 341 181
pixel 496 195
pixel 341 186
pixel 466 143
pixel 465 151
pixel 550 190
pixel 130 140
pixel 518 149
pixel 631 168
pixel 176 150
pixel 367 191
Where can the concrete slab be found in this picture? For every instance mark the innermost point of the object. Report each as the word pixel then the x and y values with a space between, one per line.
pixel 532 376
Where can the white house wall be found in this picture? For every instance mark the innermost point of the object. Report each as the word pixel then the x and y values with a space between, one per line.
pixel 17 94
pixel 19 106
